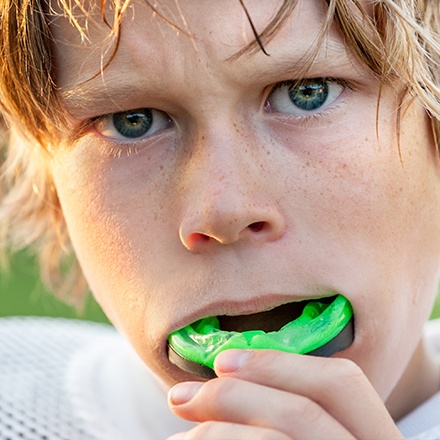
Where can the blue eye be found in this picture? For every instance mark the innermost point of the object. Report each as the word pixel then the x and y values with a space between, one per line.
pixel 309 96
pixel 304 97
pixel 132 124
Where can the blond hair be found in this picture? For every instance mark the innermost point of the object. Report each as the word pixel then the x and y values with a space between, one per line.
pixel 398 42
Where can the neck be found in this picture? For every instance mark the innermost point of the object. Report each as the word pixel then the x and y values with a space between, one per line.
pixel 420 381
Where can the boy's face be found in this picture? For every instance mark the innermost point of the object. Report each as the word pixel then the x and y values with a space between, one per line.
pixel 239 191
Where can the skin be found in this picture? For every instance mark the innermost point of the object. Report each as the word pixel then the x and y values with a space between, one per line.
pixel 237 206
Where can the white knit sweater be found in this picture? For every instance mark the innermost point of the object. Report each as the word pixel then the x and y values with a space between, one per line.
pixel 424 422
pixel 74 380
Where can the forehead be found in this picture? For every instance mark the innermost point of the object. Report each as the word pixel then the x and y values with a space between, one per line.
pixel 185 14
pixel 196 35
pixel 197 23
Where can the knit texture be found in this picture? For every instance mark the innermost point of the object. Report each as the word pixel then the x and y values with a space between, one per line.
pixel 34 366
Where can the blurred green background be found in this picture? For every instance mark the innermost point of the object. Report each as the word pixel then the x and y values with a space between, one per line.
pixel 21 293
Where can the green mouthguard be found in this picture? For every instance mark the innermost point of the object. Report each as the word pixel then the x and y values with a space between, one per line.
pixel 319 323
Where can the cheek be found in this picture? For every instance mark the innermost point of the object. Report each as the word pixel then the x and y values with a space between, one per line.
pixel 399 213
pixel 371 217
pixel 384 187
pixel 108 256
pixel 113 230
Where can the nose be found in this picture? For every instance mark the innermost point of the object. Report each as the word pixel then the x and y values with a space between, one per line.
pixel 218 223
pixel 229 200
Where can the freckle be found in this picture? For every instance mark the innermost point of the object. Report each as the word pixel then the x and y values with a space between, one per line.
pixel 161 167
pixel 268 152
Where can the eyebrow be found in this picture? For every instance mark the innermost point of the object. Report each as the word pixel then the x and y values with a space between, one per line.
pixel 314 61
pixel 108 92
pixel 97 92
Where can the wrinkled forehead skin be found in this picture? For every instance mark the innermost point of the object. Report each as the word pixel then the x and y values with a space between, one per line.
pixel 184 23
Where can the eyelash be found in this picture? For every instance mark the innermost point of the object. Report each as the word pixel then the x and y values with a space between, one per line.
pixel 324 112
pixel 128 147
pixel 341 81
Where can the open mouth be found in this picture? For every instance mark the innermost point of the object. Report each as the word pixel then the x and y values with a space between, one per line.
pixel 319 327
pixel 268 321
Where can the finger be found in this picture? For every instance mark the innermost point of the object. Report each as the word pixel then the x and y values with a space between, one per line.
pixel 246 403
pixel 224 430
pixel 337 385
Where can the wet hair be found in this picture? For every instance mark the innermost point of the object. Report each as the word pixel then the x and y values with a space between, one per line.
pixel 398 41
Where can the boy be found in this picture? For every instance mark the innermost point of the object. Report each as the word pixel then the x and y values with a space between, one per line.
pixel 198 172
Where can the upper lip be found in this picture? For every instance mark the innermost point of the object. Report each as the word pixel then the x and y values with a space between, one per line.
pixel 235 308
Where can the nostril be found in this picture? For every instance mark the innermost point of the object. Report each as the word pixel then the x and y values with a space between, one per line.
pixel 197 236
pixel 257 226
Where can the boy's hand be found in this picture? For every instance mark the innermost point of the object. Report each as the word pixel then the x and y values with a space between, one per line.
pixel 268 394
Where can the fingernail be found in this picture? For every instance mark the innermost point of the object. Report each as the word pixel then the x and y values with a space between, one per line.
pixel 231 360
pixel 183 392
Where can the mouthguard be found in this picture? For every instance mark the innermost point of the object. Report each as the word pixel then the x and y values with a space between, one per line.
pixel 323 329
